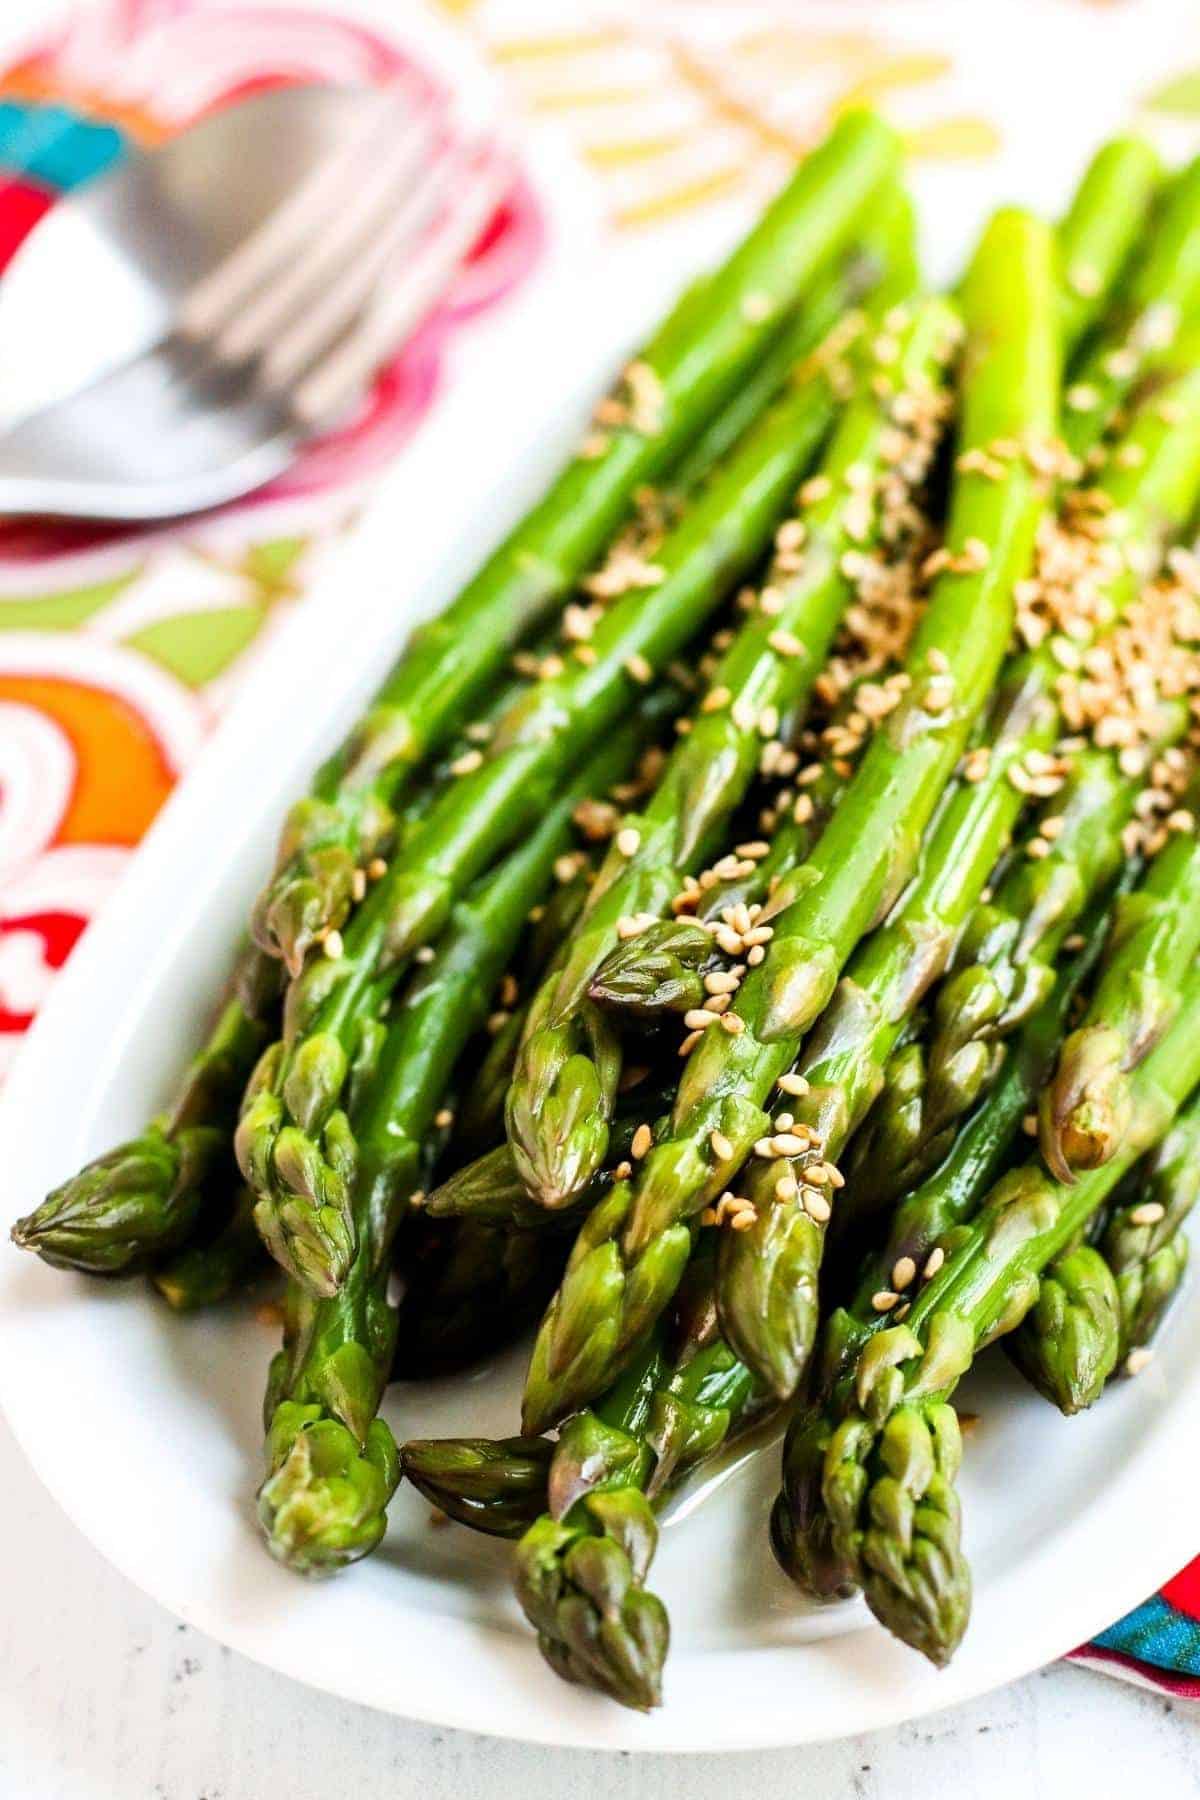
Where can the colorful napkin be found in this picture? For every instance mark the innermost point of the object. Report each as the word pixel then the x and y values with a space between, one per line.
pixel 119 649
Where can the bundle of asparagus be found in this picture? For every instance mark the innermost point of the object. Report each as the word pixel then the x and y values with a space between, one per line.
pixel 796 813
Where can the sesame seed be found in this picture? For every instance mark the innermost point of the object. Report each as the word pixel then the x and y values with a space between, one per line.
pixel 1149 1213
pixel 792 1084
pixel 1082 397
pixel 933 1263
pixel 637 667
pixel 418 1198
pixel 884 1300
pixel 358 884
pixel 333 945
pixel 785 643
pixel 787 1187
pixel 1137 1360
pixel 444 1118
pixel 744 715
pixel 699 1018
pixel 715 699
pixel 467 763
pixel 376 869
pixel 424 954
pixel 721 1146
pixel 744 1219
pixel 643 1137
pixel 817 1206
pixel 818 487
pixel 903 1272
pixel 623 1171
pixel 789 1143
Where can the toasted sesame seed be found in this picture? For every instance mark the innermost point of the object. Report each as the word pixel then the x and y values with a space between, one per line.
pixel 817 1206
pixel 333 945
pixel 376 869
pixel 792 1084
pixel 1029 1125
pixel 418 1198
pixel 787 1187
pixel 623 1171
pixel 903 1272
pixel 721 1146
pixel 699 1018
pixel 789 1143
pixel 884 1300
pixel 1149 1213
pixel 743 1220
pixel 933 1263
pixel 444 1118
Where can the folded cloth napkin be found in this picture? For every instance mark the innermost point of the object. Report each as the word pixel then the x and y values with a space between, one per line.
pixel 117 651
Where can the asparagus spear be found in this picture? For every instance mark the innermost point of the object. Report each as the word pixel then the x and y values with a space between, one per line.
pixel 565 1082
pixel 631 1251
pixel 1143 1242
pixel 1006 966
pixel 1107 215
pixel 893 1442
pixel 293 1143
pixel 698 358
pixel 582 1565
pixel 331 1463
pixel 143 1199
pixel 1068 1343
pixel 1161 292
pixel 1156 933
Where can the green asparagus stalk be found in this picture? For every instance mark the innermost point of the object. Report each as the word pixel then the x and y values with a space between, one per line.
pixel 914 1251
pixel 1107 216
pixel 140 1201
pixel 331 1462
pixel 699 357
pixel 1143 1242
pixel 293 1142
pixel 582 1564
pixel 565 1082
pixel 1156 934
pixel 1160 294
pixel 633 1247
pixel 1006 963
pixel 892 1439
pixel 1068 1343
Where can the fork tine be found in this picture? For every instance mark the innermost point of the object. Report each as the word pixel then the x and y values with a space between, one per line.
pixel 316 329
pixel 335 382
pixel 352 218
pixel 218 298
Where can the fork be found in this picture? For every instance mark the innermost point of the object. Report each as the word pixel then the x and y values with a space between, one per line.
pixel 279 342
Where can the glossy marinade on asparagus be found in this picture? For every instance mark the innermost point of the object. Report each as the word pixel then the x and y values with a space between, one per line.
pixel 632 1249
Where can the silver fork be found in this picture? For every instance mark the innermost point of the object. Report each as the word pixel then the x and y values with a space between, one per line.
pixel 278 342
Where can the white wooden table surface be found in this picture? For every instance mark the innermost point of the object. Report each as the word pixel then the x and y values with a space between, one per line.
pixel 103 1696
